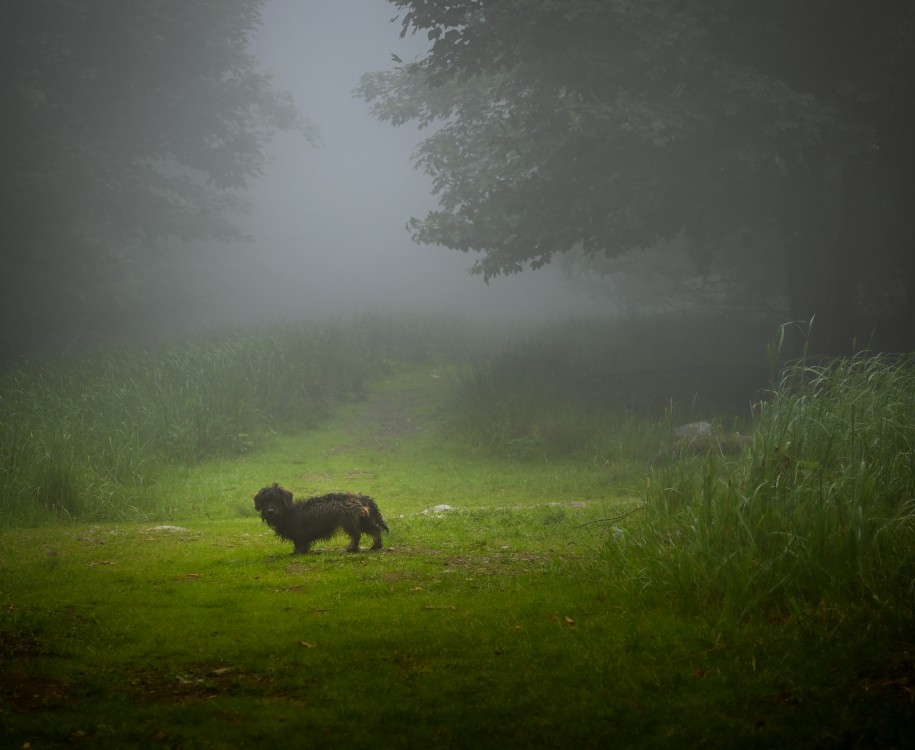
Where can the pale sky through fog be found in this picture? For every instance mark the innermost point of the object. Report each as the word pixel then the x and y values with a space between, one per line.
pixel 329 222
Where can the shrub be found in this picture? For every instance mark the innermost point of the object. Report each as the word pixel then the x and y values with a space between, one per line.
pixel 818 515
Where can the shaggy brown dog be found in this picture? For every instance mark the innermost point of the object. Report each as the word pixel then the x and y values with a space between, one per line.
pixel 305 521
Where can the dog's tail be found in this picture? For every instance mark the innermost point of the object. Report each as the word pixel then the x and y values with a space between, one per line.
pixel 375 515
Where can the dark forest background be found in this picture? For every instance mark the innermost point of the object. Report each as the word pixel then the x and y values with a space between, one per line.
pixel 768 144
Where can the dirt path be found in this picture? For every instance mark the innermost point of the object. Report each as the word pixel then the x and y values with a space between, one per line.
pixel 394 411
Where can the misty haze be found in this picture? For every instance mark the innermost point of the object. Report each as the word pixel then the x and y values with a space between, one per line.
pixel 412 373
pixel 329 222
pixel 324 225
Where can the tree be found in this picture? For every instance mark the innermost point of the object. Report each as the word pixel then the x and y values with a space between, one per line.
pixel 605 125
pixel 125 123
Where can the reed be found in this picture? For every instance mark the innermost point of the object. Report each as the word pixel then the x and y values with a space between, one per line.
pixel 818 516
pixel 85 435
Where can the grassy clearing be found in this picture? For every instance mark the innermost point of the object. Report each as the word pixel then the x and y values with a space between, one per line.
pixel 587 598
pixel 86 437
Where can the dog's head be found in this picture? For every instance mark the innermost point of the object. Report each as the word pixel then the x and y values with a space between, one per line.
pixel 272 502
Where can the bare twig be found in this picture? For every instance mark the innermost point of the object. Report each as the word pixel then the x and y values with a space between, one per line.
pixel 614 519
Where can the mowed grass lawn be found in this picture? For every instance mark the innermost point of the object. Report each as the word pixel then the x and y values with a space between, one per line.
pixel 502 622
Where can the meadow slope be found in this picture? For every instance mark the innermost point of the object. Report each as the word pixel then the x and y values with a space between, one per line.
pixel 514 620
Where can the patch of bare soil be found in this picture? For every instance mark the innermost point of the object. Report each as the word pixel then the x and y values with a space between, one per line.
pixel 19 646
pixel 194 684
pixel 500 564
pixel 27 692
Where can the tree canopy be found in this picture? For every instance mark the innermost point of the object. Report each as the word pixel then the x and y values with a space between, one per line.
pixel 124 123
pixel 603 125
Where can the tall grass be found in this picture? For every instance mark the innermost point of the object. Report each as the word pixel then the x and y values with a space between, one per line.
pixel 816 522
pixel 82 436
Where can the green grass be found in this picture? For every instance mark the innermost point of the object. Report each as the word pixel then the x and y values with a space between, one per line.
pixel 819 514
pixel 84 437
pixel 590 597
pixel 482 628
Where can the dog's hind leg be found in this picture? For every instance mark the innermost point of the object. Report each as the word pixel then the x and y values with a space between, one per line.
pixel 354 534
pixel 373 524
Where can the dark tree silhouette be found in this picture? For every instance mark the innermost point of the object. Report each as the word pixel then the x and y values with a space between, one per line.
pixel 609 124
pixel 123 123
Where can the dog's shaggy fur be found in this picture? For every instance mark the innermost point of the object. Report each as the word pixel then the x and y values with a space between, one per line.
pixel 305 521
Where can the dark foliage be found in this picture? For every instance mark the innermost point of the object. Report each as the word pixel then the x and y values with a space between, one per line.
pixel 603 126
pixel 125 123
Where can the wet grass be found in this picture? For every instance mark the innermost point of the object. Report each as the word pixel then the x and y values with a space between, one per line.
pixel 473 628
pixel 819 515
pixel 590 599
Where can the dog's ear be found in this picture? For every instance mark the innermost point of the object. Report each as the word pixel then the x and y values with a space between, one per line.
pixel 258 499
pixel 287 495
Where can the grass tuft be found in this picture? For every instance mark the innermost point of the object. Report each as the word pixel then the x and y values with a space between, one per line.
pixel 816 516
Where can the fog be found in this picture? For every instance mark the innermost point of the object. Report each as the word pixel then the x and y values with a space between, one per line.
pixel 327 223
